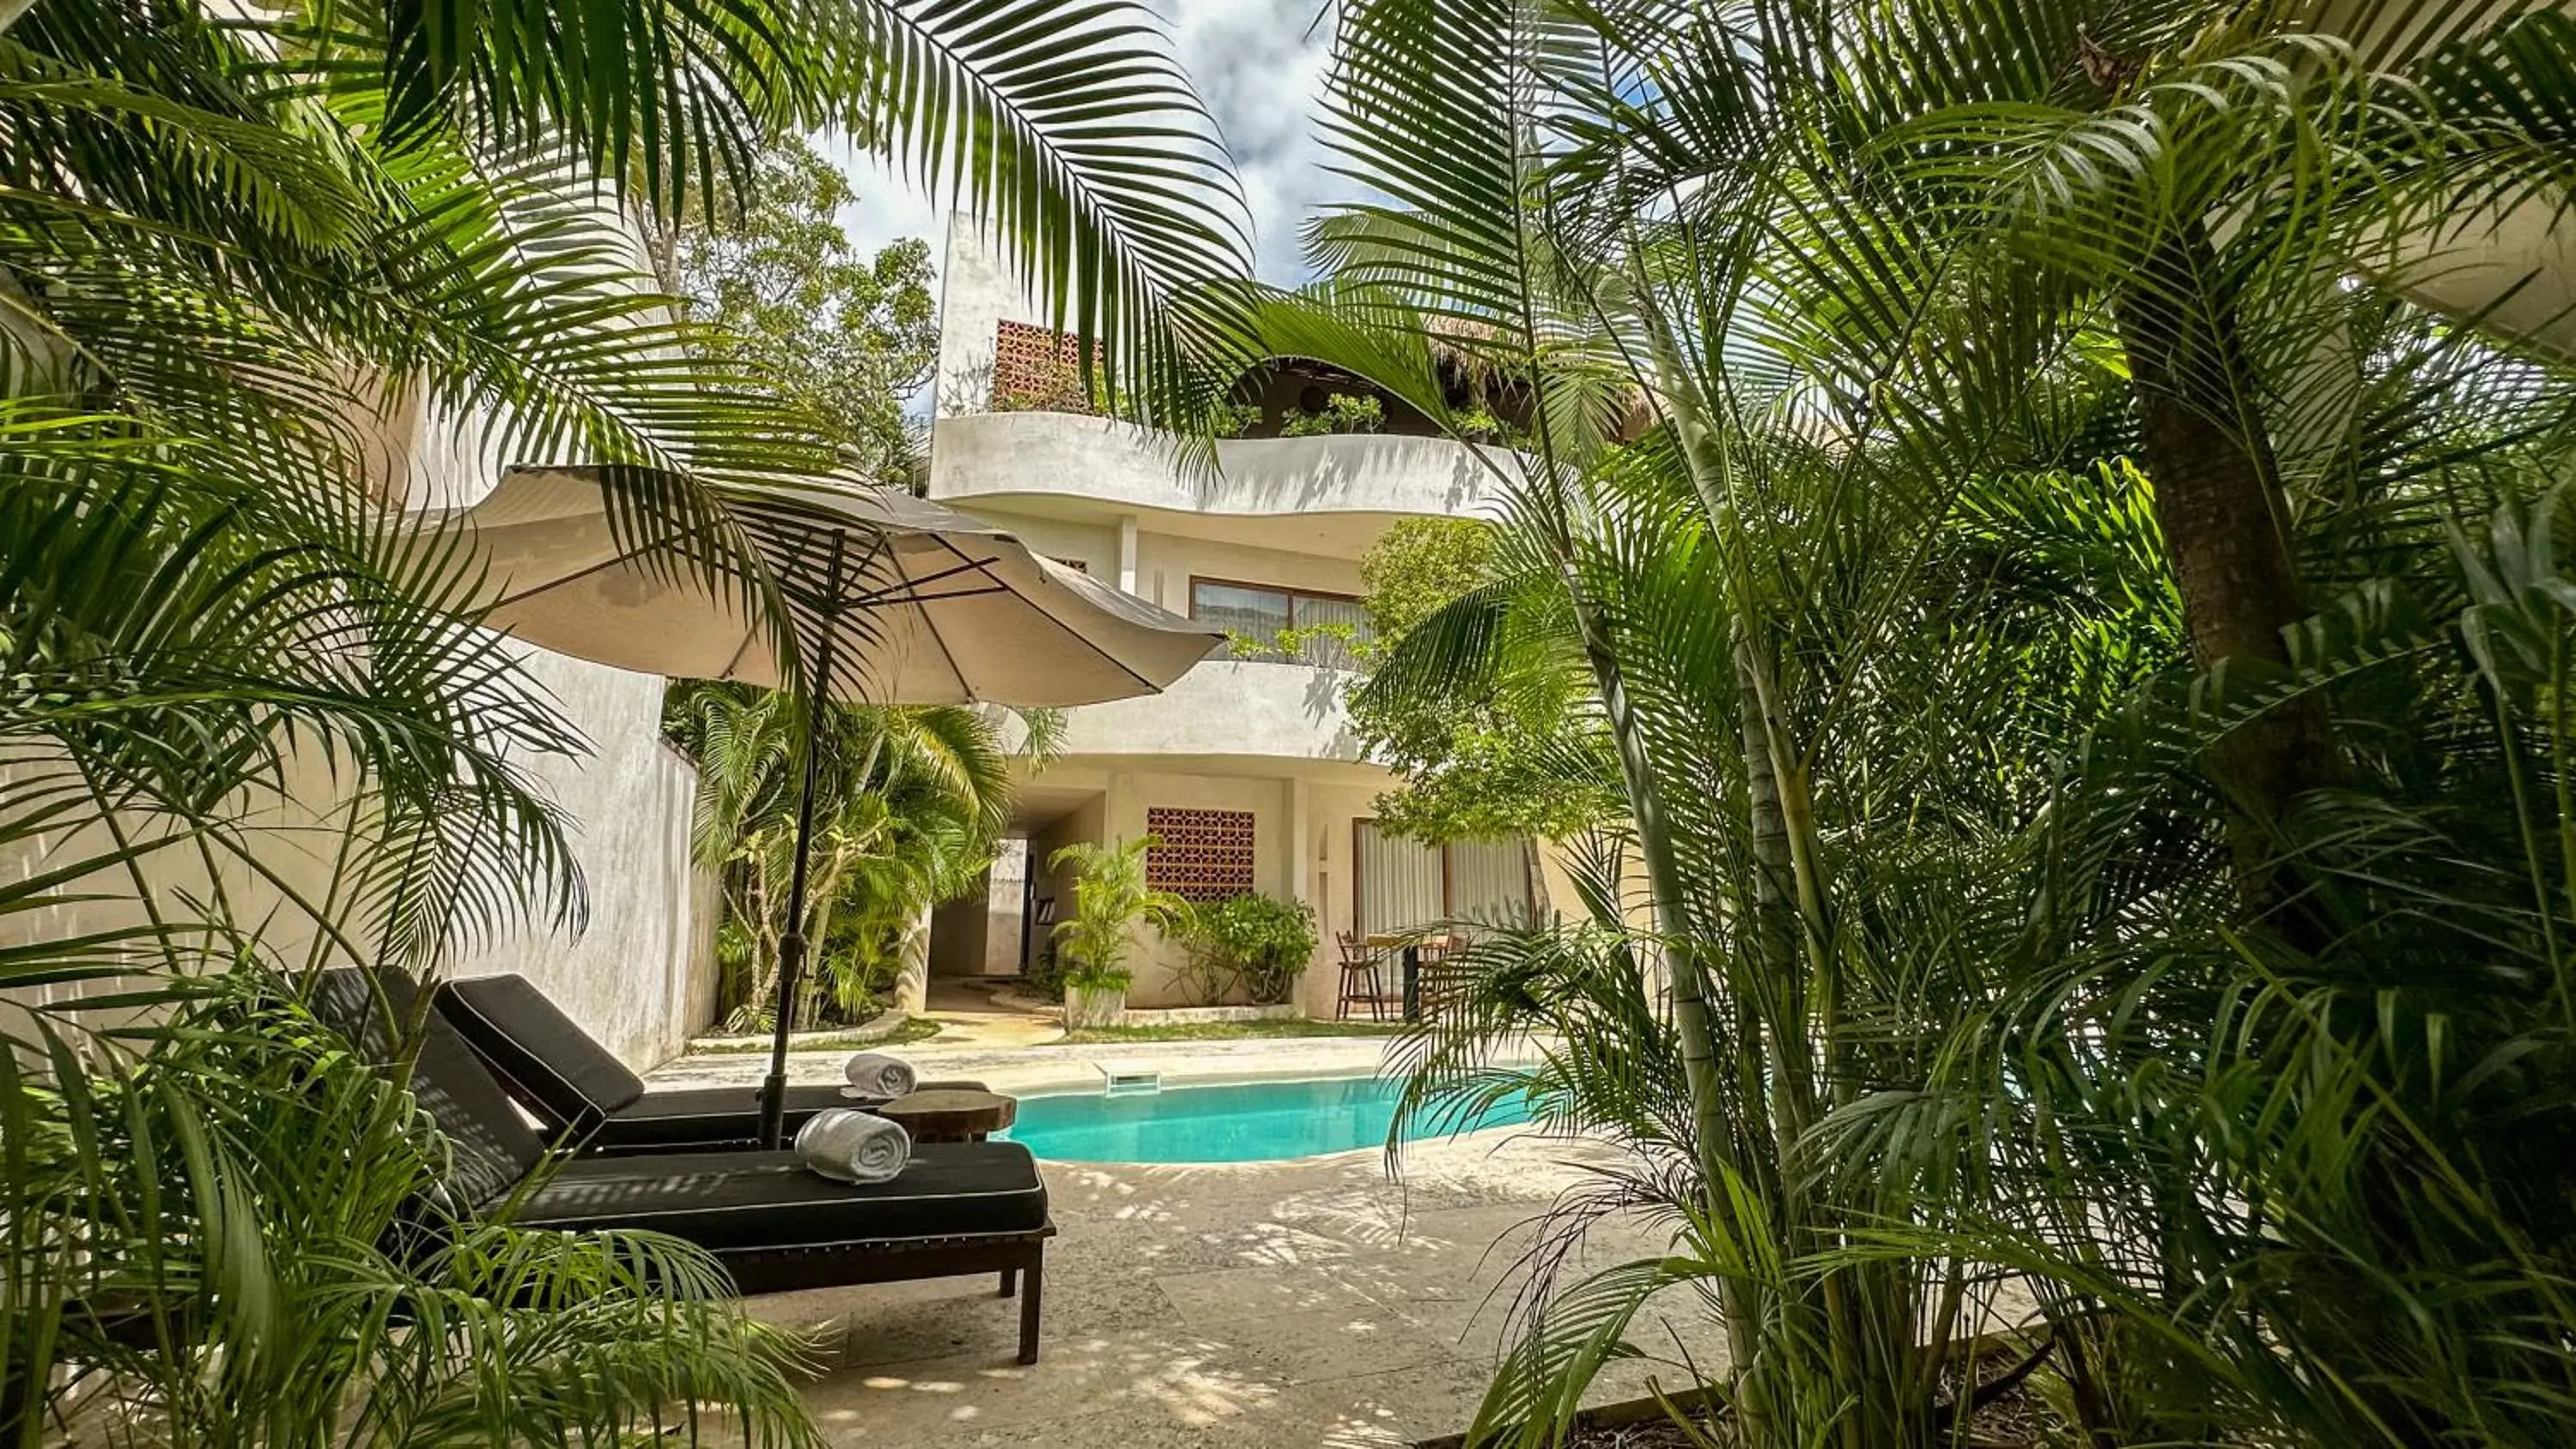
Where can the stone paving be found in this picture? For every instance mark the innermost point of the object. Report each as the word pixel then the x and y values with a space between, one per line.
pixel 1313 1303
pixel 1309 1303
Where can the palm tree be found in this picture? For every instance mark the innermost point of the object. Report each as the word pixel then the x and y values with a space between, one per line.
pixel 1113 895
pixel 245 259
pixel 910 804
pixel 1884 623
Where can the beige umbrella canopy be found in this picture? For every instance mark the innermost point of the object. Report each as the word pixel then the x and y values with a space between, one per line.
pixel 893 601
pixel 919 604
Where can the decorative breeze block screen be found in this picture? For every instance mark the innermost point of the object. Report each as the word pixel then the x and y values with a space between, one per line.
pixel 1202 855
pixel 1037 370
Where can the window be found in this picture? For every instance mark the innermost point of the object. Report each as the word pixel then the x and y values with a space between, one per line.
pixel 1326 624
pixel 1403 885
pixel 1199 855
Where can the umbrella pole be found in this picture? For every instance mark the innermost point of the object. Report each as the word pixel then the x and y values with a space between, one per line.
pixel 791 943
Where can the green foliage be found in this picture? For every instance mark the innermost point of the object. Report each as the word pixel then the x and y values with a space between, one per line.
pixel 232 1223
pixel 1044 979
pixel 248 258
pixel 1504 747
pixel 850 339
pixel 1233 420
pixel 1419 565
pixel 1970 960
pixel 1110 901
pixel 1480 424
pixel 910 805
pixel 1252 945
pixel 1342 414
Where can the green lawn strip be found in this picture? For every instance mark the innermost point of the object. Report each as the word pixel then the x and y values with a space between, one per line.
pixel 1232 1031
pixel 911 1031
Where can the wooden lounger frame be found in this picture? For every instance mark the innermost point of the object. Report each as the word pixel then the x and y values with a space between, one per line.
pixel 1014 1256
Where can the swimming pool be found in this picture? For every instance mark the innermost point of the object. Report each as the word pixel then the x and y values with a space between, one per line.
pixel 1242 1122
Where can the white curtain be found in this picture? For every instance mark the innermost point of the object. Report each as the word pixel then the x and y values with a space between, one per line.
pixel 1404 885
pixel 1489 882
pixel 1399 883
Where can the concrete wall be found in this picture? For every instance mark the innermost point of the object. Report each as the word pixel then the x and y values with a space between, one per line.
pixel 1259 736
pixel 640 973
pixel 1086 821
pixel 975 295
pixel 987 456
pixel 1231 708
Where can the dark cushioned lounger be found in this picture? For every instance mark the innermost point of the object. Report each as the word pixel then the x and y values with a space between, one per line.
pixel 574 1086
pixel 763 1202
pixel 957 1208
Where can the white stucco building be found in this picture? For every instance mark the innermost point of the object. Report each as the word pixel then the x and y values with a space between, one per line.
pixel 1247 767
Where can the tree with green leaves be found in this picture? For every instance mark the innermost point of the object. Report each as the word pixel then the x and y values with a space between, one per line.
pixel 910 804
pixel 2014 874
pixel 1112 899
pixel 770 270
pixel 1509 752
pixel 256 268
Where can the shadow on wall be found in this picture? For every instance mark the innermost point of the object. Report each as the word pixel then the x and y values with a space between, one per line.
pixel 1323 702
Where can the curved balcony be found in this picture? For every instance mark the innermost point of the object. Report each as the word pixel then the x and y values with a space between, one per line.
pixel 1000 456
pixel 1224 707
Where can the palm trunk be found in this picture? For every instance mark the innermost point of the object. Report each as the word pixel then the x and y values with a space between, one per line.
pixel 1797 974
pixel 2225 529
pixel 1716 1136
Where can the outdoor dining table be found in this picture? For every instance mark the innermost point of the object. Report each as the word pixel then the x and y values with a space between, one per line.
pixel 1409 944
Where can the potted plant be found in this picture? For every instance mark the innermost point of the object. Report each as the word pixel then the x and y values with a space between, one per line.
pixel 1252 943
pixel 1110 899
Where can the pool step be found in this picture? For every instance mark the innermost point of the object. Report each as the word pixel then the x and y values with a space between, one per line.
pixel 1130 1079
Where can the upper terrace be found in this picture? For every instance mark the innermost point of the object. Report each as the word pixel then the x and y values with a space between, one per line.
pixel 1342 488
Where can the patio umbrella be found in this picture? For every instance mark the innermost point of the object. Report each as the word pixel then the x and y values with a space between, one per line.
pixel 893 600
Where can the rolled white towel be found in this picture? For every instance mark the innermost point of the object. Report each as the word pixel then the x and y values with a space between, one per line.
pixel 847 1145
pixel 874 1074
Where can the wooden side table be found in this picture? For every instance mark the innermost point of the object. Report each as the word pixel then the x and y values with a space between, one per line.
pixel 949 1114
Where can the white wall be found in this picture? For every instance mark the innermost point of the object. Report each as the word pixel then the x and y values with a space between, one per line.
pixel 975 296
pixel 997 456
pixel 640 974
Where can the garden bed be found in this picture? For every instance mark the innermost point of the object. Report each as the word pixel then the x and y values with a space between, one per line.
pixel 886 1028
pixel 1204 1015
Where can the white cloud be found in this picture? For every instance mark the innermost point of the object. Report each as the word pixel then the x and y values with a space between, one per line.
pixel 1258 64
pixel 888 208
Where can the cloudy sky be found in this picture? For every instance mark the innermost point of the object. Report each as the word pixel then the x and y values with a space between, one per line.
pixel 1258 63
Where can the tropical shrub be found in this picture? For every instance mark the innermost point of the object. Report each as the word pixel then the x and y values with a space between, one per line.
pixel 1342 413
pixel 247 253
pixel 1110 902
pixel 2003 529
pixel 910 804
pixel 1251 945
pixel 313 1289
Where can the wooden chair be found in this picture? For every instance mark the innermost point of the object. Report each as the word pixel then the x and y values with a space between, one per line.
pixel 1360 982
pixel 1436 979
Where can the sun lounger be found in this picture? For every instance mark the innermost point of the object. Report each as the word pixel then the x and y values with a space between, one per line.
pixel 957 1208
pixel 571 1084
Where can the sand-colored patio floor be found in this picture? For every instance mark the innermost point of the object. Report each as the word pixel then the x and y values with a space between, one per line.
pixel 1313 1303
pixel 1307 1303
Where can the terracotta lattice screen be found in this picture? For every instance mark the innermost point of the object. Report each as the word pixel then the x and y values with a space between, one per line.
pixel 1037 370
pixel 1203 855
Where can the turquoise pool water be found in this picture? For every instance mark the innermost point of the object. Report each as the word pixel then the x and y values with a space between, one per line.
pixel 1244 1122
